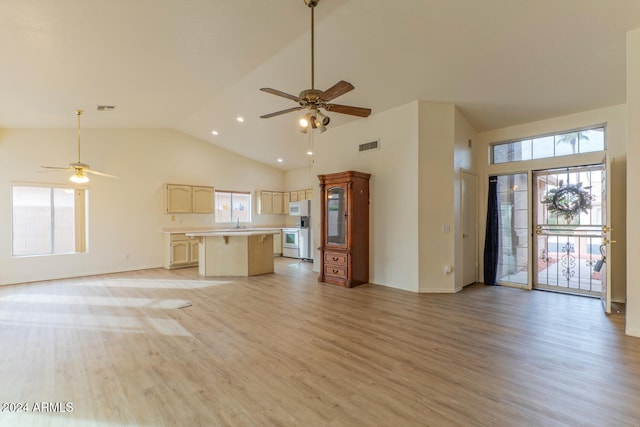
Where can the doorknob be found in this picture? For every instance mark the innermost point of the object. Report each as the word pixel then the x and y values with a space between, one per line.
pixel 606 241
pixel 606 229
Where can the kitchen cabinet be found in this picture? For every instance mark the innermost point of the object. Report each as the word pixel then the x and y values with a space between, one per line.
pixel 277 207
pixel 308 194
pixel 180 251
pixel 344 228
pixel 294 196
pixel 177 198
pixel 286 199
pixel 265 202
pixel 277 244
pixel 188 199
pixel 302 195
pixel 202 199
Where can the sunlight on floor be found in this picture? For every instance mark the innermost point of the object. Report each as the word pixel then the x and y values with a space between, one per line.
pixel 156 284
pixel 98 301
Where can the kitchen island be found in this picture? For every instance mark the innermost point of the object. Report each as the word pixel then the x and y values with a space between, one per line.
pixel 235 252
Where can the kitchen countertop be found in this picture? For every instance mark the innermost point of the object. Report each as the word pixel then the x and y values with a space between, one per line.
pixel 235 232
pixel 192 230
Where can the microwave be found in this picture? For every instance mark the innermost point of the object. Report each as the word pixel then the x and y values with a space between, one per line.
pixel 300 208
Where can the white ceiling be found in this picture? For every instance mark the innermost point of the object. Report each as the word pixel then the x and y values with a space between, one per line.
pixel 194 65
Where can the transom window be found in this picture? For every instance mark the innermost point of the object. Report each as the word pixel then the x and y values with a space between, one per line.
pixel 48 220
pixel 562 144
pixel 233 206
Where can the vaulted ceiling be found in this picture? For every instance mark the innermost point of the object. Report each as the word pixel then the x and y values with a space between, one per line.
pixel 196 65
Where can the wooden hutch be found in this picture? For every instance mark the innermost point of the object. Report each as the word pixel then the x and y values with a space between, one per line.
pixel 344 228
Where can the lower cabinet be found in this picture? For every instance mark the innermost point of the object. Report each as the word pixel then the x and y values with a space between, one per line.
pixel 180 251
pixel 277 244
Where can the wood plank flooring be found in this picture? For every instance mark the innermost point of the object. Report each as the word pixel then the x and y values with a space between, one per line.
pixel 169 348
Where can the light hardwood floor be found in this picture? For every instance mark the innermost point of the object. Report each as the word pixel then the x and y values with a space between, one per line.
pixel 168 348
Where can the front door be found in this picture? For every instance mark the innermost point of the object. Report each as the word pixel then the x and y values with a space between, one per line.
pixel 569 219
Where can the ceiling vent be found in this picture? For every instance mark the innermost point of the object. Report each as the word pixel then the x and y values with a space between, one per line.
pixel 373 145
pixel 106 107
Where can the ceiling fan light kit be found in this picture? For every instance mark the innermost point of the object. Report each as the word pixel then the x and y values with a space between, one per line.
pixel 313 99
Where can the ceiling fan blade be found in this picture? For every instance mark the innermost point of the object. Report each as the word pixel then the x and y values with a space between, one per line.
pixel 282 94
pixel 94 172
pixel 346 109
pixel 56 168
pixel 277 113
pixel 336 90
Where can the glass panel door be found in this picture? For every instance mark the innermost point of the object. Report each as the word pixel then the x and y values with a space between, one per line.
pixel 568 221
pixel 513 221
pixel 336 211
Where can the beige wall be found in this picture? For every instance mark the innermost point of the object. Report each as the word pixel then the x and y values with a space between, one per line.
pixel 615 120
pixel 414 189
pixel 125 215
pixel 633 179
pixel 393 187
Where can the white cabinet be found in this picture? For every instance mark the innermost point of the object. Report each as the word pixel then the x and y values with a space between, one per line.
pixel 188 199
pixel 277 244
pixel 180 251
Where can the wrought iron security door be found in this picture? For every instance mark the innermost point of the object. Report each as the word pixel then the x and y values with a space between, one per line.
pixel 569 219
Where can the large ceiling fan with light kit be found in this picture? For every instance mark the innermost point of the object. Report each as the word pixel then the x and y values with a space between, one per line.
pixel 79 169
pixel 313 99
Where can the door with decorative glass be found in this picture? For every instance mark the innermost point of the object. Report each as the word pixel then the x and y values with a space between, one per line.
pixel 569 220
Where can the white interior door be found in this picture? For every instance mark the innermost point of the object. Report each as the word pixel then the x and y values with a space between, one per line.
pixel 469 207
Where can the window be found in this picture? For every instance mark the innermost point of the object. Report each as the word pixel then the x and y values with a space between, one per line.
pixel 563 144
pixel 48 220
pixel 233 206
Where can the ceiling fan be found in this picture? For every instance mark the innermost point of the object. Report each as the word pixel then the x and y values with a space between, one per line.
pixel 314 99
pixel 79 169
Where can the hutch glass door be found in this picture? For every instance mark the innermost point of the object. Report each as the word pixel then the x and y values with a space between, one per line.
pixel 336 211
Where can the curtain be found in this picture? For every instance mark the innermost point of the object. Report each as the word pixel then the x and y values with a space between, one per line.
pixel 491 235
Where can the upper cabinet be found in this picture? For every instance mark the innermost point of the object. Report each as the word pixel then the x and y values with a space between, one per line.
pixel 265 202
pixel 188 199
pixel 277 202
pixel 277 206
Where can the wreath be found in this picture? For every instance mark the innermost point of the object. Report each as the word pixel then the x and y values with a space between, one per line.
pixel 568 201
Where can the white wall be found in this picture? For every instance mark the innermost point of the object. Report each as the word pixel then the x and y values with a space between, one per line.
pixel 414 189
pixel 633 180
pixel 125 215
pixel 615 119
pixel 393 187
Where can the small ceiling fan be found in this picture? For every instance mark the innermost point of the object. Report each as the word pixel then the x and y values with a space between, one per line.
pixel 79 169
pixel 314 99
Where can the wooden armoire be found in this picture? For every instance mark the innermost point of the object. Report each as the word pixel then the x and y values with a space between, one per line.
pixel 344 228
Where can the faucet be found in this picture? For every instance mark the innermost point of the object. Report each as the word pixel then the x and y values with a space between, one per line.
pixel 238 224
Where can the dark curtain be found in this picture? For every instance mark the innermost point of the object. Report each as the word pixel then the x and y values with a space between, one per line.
pixel 491 236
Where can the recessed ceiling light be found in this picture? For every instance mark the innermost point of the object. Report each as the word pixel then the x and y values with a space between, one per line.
pixel 240 119
pixel 214 132
pixel 280 160
pixel 310 153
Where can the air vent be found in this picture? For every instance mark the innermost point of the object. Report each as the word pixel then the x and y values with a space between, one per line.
pixel 106 107
pixel 373 145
